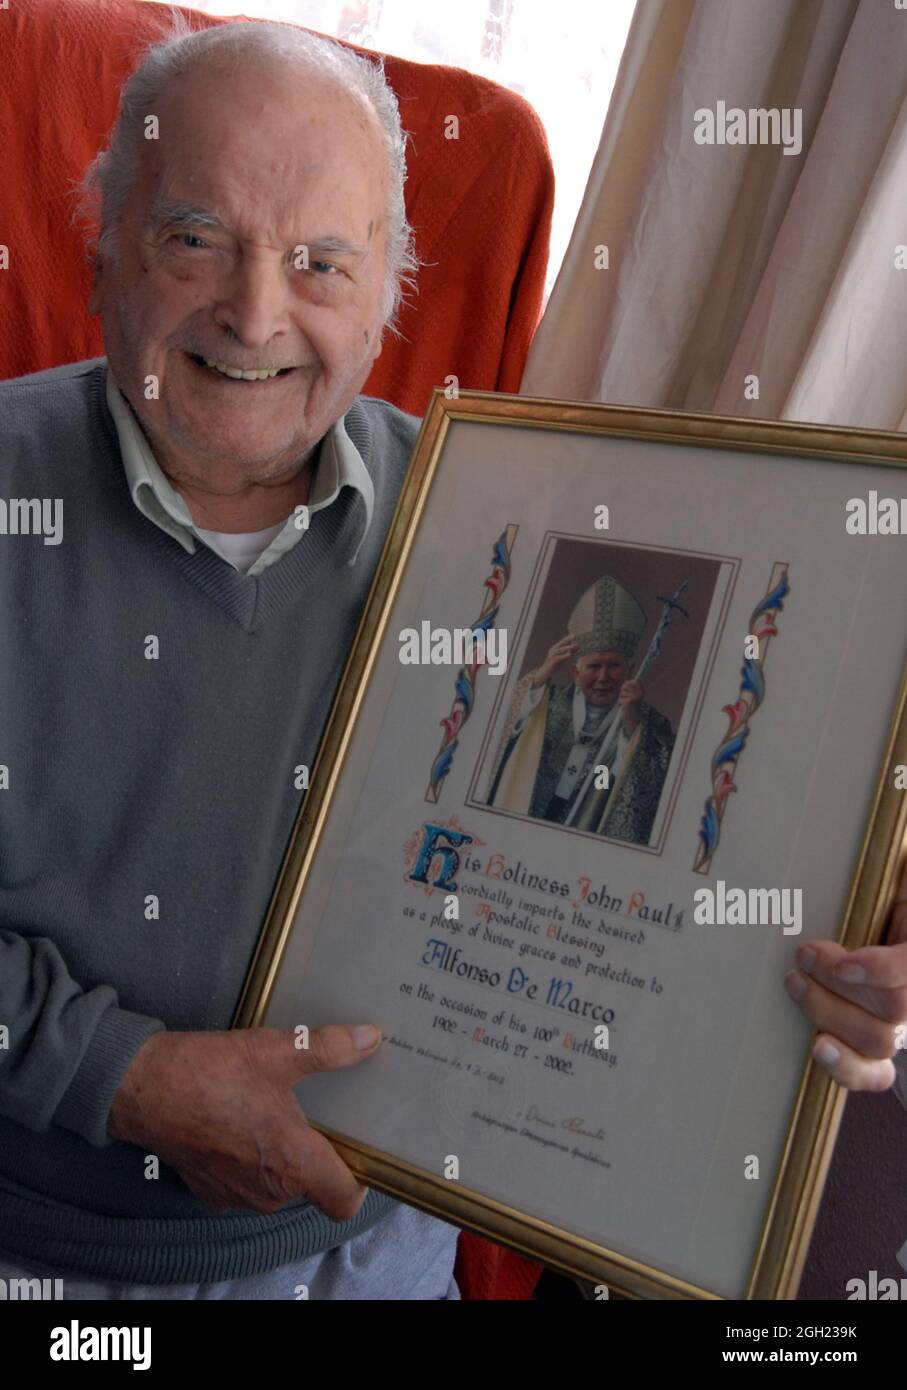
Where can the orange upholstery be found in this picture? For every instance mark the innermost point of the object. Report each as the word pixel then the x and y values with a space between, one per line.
pixel 480 205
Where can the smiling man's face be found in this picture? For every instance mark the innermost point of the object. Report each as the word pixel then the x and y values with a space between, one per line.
pixel 282 160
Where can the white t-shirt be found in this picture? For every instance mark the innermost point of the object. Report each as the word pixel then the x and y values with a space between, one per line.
pixel 241 548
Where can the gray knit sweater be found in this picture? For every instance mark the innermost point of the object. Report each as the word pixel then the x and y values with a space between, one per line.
pixel 130 777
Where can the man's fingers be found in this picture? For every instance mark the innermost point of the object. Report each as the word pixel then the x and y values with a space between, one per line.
pixel 883 967
pixel 302 1164
pixel 325 1179
pixel 852 973
pixel 866 1033
pixel 849 1069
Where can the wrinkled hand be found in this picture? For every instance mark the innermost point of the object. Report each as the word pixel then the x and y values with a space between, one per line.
pixel 629 699
pixel 219 1109
pixel 858 1001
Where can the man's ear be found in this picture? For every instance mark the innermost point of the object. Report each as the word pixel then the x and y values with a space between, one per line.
pixel 378 344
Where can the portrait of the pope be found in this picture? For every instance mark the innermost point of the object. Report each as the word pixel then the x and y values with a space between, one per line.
pixel 589 752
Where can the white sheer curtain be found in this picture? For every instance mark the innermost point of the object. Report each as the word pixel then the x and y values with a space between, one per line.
pixel 729 262
pixel 562 60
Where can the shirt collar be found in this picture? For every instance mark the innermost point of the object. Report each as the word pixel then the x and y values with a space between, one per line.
pixel 339 465
pixel 580 712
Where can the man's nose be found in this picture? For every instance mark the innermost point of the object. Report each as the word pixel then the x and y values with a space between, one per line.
pixel 255 304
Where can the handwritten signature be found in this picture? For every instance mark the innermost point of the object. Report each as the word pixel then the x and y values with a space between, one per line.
pixel 575 1124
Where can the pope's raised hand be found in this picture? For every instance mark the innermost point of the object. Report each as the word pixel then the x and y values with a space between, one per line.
pixel 629 699
pixel 567 649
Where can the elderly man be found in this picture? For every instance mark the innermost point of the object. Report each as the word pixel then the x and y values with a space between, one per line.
pixel 225 494
pixel 225 491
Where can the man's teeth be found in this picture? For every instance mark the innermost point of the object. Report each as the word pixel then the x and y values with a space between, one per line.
pixel 263 374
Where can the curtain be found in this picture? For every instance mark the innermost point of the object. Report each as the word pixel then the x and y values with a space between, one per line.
pixel 737 279
pixel 742 279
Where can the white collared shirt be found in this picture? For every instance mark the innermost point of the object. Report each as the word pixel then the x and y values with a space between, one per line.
pixel 339 465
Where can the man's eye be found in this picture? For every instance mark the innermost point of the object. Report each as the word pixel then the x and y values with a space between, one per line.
pixel 184 237
pixel 324 266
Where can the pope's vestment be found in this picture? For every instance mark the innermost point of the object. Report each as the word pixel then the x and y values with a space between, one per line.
pixel 550 743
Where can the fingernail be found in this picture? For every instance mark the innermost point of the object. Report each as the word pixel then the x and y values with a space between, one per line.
pixel 806 958
pixel 826 1054
pixel 851 974
pixel 365 1035
pixel 795 986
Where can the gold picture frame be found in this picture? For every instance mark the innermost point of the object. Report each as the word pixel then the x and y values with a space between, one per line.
pixel 797 1183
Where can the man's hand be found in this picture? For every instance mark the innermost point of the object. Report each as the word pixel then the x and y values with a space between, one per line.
pixel 631 693
pixel 858 999
pixel 219 1109
pixel 564 650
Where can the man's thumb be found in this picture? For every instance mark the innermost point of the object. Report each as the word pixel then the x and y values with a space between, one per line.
pixel 328 1049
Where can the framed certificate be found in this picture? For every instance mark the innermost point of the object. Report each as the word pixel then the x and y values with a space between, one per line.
pixel 624 722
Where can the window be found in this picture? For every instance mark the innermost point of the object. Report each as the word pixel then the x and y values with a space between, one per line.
pixel 562 58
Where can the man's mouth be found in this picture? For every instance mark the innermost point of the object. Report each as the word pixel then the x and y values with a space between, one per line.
pixel 254 376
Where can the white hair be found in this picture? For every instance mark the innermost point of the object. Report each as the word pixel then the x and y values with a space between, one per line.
pixel 102 192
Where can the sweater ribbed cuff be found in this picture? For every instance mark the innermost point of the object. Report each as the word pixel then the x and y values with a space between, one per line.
pixel 85 1108
pixel 57 1240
